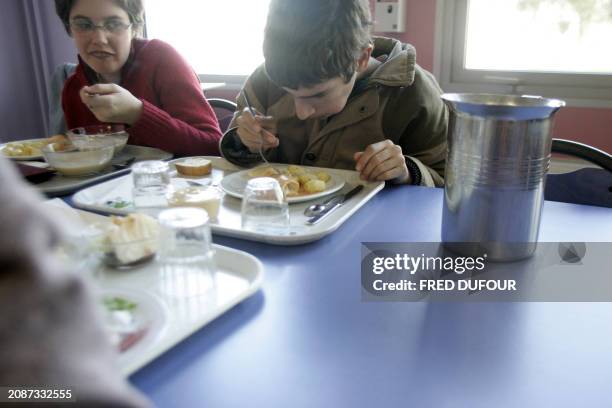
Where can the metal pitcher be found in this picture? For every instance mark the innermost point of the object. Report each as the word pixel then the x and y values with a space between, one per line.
pixel 499 149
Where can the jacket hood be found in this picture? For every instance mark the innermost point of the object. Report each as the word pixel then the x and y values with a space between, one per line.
pixel 398 69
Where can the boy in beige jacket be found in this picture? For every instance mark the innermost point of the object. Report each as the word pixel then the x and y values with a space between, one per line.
pixel 330 95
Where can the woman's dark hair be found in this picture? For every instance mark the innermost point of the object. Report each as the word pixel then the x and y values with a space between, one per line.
pixel 307 42
pixel 133 8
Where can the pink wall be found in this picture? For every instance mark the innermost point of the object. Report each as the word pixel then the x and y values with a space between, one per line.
pixel 420 29
pixel 591 126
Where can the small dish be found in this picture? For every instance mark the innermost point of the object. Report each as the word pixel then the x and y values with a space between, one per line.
pixel 133 319
pixel 128 255
pixel 70 160
pixel 88 135
pixel 206 197
pixel 130 241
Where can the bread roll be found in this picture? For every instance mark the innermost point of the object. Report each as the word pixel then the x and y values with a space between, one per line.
pixel 194 166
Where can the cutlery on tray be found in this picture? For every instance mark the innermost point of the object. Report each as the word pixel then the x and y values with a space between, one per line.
pixel 319 211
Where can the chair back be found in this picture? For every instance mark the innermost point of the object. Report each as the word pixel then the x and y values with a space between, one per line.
pixel 588 186
pixel 224 110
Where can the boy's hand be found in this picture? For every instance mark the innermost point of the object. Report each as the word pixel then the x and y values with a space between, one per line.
pixel 382 161
pixel 253 131
pixel 111 103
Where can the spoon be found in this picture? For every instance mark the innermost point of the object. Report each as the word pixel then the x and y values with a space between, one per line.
pixel 316 209
pixel 249 106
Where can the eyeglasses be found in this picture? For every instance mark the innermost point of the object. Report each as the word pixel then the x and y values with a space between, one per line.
pixel 110 26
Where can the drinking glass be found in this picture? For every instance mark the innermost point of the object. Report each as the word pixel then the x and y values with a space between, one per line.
pixel 83 249
pixel 264 207
pixel 151 185
pixel 185 252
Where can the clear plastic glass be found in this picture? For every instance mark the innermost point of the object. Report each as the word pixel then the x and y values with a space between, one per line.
pixel 151 186
pixel 264 207
pixel 185 252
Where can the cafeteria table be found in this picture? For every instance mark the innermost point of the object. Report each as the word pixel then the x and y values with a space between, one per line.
pixel 308 340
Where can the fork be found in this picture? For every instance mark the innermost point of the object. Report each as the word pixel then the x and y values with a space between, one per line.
pixel 250 107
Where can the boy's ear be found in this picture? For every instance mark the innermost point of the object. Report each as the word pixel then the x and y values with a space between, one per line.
pixel 364 58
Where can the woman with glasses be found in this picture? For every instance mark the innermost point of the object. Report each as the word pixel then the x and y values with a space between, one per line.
pixel 144 84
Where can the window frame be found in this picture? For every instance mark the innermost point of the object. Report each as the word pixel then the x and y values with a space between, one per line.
pixel 584 90
pixel 232 82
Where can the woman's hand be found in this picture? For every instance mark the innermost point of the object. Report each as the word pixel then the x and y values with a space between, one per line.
pixel 253 131
pixel 382 161
pixel 111 103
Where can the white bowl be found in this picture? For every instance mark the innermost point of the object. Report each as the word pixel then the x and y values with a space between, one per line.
pixel 85 160
pixel 87 135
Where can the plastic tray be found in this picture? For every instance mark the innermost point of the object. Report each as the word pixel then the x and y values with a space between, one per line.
pixel 114 196
pixel 237 276
pixel 62 185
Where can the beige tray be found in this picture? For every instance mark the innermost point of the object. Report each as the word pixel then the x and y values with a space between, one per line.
pixel 114 197
pixel 62 185
pixel 237 276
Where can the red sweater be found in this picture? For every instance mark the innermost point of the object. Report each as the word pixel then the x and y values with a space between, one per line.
pixel 176 117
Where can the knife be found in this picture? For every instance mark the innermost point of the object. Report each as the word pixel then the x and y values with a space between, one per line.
pixel 334 203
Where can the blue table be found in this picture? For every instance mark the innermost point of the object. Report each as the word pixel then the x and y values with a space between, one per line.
pixel 307 340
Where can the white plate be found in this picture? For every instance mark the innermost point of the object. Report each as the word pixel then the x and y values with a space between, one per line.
pixel 235 183
pixel 30 157
pixel 147 321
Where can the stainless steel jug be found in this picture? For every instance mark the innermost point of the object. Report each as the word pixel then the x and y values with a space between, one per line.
pixel 498 155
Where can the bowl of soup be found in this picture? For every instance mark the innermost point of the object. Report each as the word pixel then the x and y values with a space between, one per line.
pixel 82 160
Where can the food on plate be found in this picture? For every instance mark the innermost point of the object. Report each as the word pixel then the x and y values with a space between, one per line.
pixel 306 177
pixel 295 170
pixel 60 143
pixel 323 175
pixel 264 171
pixel 208 198
pixel 31 147
pixel 314 186
pixel 194 166
pixel 133 238
pixel 294 180
pixel 123 327
pixel 289 185
pixel 116 303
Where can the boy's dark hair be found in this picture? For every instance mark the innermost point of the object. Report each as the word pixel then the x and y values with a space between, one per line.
pixel 134 9
pixel 307 42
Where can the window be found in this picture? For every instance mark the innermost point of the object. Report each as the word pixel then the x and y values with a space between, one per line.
pixel 553 48
pixel 222 40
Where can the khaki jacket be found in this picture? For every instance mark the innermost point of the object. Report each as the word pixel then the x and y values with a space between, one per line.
pixel 400 101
